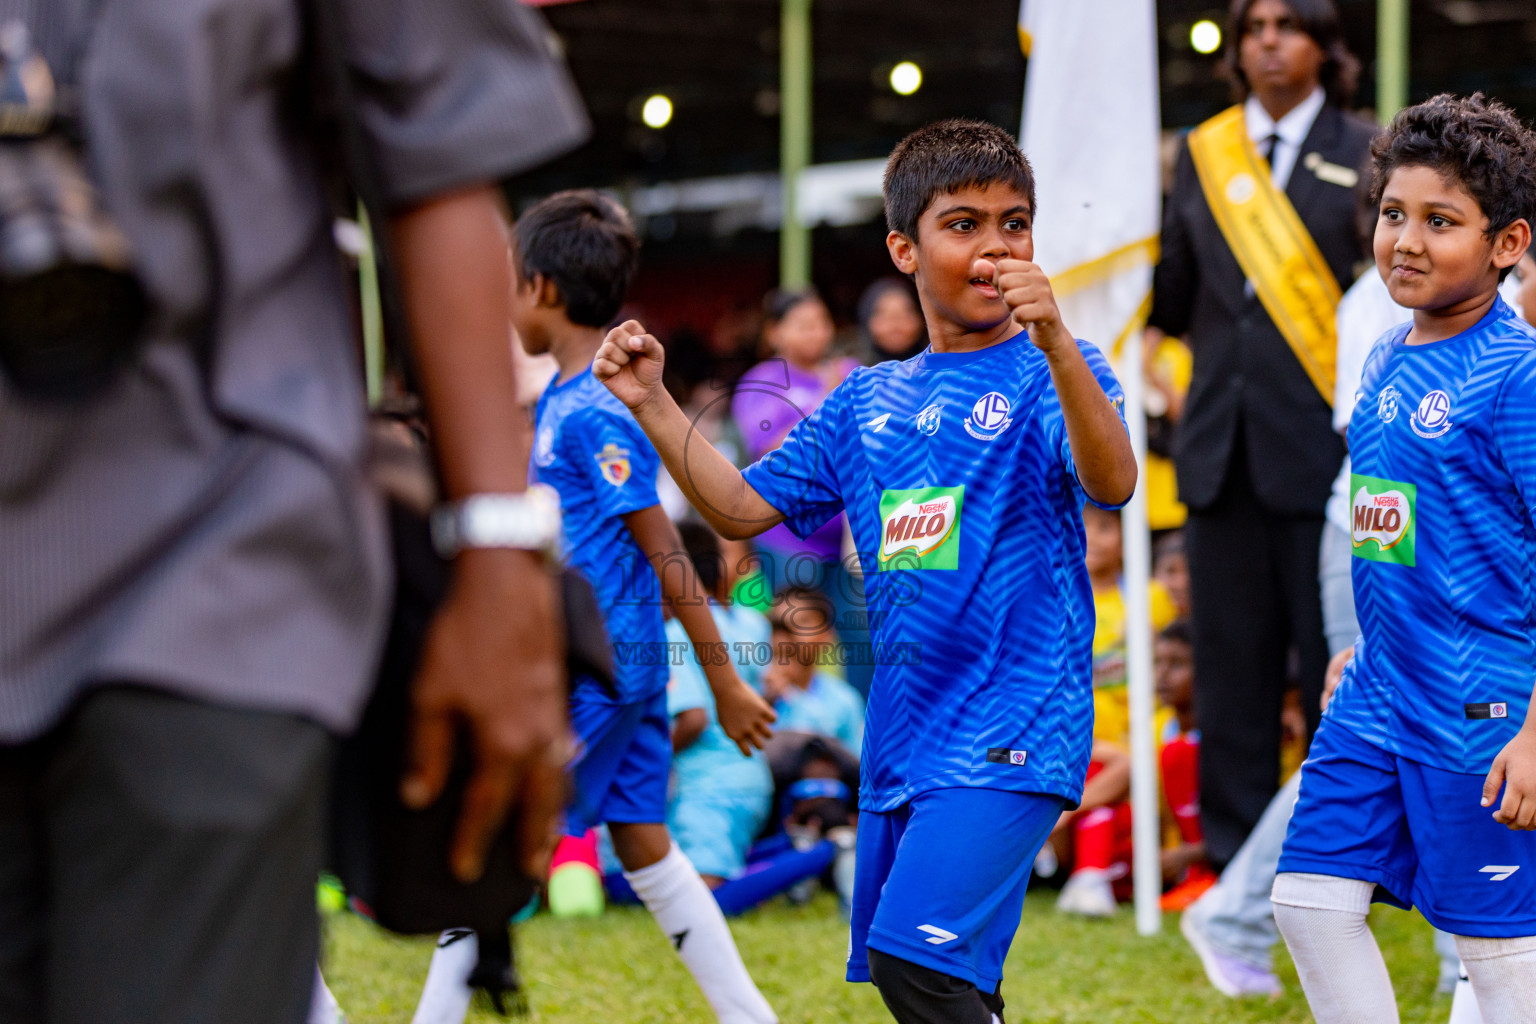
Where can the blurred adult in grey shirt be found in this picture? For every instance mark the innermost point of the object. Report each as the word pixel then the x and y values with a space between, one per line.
pixel 193 567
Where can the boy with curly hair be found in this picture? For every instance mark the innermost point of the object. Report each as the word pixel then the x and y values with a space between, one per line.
pixel 1421 785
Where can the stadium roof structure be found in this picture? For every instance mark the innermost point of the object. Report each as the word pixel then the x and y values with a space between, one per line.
pixel 718 63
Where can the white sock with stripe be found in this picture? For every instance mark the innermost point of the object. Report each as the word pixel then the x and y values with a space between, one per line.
pixel 687 912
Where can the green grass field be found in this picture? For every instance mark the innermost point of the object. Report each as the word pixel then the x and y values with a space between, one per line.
pixel 619 968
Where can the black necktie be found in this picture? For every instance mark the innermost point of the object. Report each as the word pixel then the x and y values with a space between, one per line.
pixel 1267 148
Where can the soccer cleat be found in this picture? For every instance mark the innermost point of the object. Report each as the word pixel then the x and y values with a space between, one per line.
pixel 1089 892
pixel 1231 975
pixel 1197 881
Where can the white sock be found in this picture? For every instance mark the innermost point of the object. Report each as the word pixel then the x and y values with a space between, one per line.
pixel 1503 973
pixel 445 995
pixel 687 912
pixel 323 1008
pixel 1464 1008
pixel 1336 956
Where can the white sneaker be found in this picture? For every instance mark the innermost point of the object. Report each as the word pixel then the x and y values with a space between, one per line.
pixel 1232 976
pixel 1088 892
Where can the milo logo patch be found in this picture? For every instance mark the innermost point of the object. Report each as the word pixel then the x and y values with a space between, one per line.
pixel 920 529
pixel 1383 523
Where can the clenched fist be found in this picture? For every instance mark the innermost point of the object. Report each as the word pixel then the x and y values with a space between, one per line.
pixel 629 363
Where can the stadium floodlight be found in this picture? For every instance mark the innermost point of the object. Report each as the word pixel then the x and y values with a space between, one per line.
pixel 1205 36
pixel 657 112
pixel 906 78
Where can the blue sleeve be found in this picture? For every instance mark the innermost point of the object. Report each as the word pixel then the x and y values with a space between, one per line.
pixel 799 478
pixel 618 459
pixel 1514 431
pixel 1056 426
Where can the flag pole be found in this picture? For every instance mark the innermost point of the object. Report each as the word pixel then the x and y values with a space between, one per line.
pixel 1136 547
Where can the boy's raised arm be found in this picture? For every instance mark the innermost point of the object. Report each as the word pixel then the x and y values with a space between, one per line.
pixel 1101 450
pixel 629 363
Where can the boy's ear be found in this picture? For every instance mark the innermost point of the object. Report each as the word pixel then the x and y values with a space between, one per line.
pixel 1511 243
pixel 545 294
pixel 903 252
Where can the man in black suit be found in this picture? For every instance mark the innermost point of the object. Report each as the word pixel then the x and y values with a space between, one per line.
pixel 1256 453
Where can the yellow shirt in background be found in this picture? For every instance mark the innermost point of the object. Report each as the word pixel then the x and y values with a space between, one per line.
pixel 1172 364
pixel 1111 713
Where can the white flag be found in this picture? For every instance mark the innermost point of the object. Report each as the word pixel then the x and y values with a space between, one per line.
pixel 1091 132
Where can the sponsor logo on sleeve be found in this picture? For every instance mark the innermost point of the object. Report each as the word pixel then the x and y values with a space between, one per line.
pixel 613 461
pixel 1497 709
pixel 990 416
pixel 1433 416
pixel 920 529
pixel 1383 520
pixel 1002 755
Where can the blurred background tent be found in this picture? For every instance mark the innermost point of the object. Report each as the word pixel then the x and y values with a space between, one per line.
pixel 704 183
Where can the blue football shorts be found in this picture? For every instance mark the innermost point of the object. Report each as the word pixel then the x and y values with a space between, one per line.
pixel 940 880
pixel 620 774
pixel 1420 834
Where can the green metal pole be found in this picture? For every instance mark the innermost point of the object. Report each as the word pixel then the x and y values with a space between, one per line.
pixel 794 138
pixel 1391 58
pixel 373 317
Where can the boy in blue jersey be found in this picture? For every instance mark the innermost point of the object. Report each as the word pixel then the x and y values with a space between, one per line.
pixel 573 257
pixel 1421 784
pixel 963 472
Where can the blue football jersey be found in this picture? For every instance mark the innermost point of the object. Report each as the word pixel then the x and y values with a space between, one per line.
pixel 1442 494
pixel 960 490
pixel 590 449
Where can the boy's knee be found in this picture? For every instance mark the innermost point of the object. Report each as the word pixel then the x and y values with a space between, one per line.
pixel 1473 949
pixel 921 995
pixel 1307 905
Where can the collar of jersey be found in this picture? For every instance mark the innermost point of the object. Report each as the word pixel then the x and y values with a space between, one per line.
pixel 1498 312
pixel 556 384
pixel 942 360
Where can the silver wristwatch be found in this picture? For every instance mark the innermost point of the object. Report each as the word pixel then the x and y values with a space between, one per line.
pixel 529 521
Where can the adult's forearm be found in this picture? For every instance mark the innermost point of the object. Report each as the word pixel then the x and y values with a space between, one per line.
pixel 453 267
pixel 707 479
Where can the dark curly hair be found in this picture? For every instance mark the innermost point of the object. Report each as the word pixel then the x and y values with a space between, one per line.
pixel 1473 141
pixel 583 242
pixel 945 157
pixel 1338 76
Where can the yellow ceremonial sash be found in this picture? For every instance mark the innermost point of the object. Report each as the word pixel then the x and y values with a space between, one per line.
pixel 1271 243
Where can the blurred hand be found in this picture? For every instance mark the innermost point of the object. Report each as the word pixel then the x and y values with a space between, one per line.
pixel 629 363
pixel 1027 291
pixel 1293 721
pixel 1335 673
pixel 746 718
pixel 1515 770
pixel 501 675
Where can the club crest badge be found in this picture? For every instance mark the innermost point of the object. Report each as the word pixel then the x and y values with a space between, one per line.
pixel 928 420
pixel 1433 416
pixel 613 462
pixel 990 416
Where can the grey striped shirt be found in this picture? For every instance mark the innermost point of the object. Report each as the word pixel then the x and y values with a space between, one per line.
pixel 205 527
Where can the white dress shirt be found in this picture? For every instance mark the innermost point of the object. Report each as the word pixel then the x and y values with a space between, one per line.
pixel 1291 131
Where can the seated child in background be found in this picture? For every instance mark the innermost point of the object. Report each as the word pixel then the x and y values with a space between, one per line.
pixel 1185 868
pixel 1103 556
pixel 1095 839
pixel 1170 567
pixel 719 799
pixel 806 697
